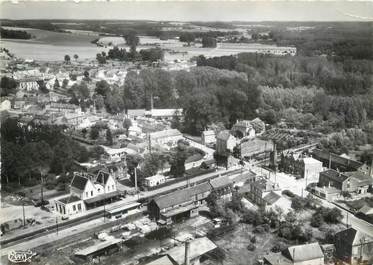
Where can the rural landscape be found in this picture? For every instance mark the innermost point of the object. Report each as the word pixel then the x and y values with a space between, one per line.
pixel 172 142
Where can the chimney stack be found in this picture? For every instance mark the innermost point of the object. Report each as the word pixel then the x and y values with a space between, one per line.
pixel 187 253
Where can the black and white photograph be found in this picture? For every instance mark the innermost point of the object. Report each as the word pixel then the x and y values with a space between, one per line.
pixel 212 132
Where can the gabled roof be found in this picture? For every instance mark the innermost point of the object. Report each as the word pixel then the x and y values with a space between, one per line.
pixel 334 175
pixel 102 177
pixel 352 236
pixel 165 260
pixel 362 178
pixel 304 252
pixel 173 198
pixel 79 182
pixel 201 188
pixel 198 247
pixel 221 182
pixel 271 197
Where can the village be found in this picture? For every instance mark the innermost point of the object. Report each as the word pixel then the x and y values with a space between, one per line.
pixel 111 161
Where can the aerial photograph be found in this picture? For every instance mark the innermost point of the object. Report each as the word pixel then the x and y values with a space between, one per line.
pixel 186 132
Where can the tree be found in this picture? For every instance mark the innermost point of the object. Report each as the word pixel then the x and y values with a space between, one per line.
pixel 76 57
pixel 109 137
pixel 100 58
pixel 56 84
pixel 187 37
pixel 178 161
pixel 8 86
pixel 132 39
pixel 317 220
pixel 67 58
pixel 86 76
pixel 102 88
pixel 94 133
pixel 151 165
pixel 99 102
pixel 127 123
pixel 63 157
pixel 65 82
pixel 208 42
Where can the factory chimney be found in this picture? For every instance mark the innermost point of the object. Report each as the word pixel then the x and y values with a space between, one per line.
pixel 187 253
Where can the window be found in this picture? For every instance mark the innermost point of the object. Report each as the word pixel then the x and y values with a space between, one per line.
pixel 108 188
pixel 98 190
pixel 112 187
pixel 91 192
pixel 74 208
pixel 79 207
pixel 86 193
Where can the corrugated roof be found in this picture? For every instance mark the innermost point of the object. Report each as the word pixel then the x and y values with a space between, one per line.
pixel 102 245
pixel 201 188
pixel 305 252
pixel 361 177
pixel 79 182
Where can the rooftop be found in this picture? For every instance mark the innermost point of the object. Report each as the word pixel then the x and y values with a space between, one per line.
pixel 198 247
pixel 165 133
pixel 102 245
pixel 305 252
pixel 334 175
pixel 79 182
pixel 69 199
pixel 223 135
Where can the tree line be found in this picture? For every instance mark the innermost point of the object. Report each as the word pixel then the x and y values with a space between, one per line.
pixel 14 34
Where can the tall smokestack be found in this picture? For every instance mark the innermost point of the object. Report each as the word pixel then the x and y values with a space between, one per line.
pixel 187 253
pixel 151 101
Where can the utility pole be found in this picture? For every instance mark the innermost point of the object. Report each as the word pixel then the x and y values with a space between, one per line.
pixel 41 189
pixel 104 205
pixel 23 211
pixel 57 225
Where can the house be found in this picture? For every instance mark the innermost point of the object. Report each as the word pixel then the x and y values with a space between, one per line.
pixel 164 113
pixel 28 84
pixel 191 252
pixel 308 254
pixel 179 204
pixel 354 247
pixel 154 180
pixel 348 181
pixel 261 192
pixel 5 105
pixel 87 191
pixel 255 146
pixel 62 108
pixel 208 137
pixel 225 142
pixel 222 186
pixel 169 137
pixel 243 128
pixel 116 154
pixel 310 169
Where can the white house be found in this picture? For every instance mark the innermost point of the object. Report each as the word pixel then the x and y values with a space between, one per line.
pixel 5 105
pixel 86 191
pixel 115 154
pixel 170 136
pixel 154 180
pixel 311 169
pixel 208 137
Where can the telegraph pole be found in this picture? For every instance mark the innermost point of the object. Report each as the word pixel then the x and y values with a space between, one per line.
pixel 23 211
pixel 57 225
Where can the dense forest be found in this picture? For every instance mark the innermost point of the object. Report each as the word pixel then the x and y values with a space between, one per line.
pixel 32 151
pixel 14 34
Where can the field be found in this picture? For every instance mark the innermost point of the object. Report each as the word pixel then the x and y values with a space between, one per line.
pixel 53 46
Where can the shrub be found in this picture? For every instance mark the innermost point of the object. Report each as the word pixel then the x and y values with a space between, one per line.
pixel 253 239
pixel 251 247
pixel 317 220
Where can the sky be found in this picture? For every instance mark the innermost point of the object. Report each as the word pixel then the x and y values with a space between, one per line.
pixel 264 10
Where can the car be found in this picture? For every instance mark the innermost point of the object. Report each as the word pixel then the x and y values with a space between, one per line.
pixel 65 217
